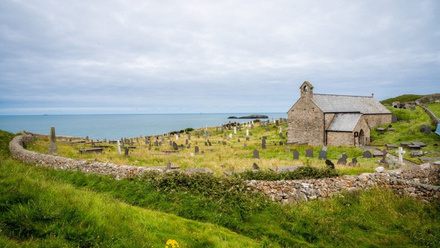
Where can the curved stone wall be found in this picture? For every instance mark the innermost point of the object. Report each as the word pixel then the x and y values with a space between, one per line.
pixel 415 181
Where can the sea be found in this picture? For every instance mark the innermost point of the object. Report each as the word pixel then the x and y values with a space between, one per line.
pixel 116 126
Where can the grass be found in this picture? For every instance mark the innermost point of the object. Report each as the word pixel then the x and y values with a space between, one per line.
pixel 41 207
pixel 408 130
pixel 219 158
pixel 38 211
pixel 435 108
pixel 402 98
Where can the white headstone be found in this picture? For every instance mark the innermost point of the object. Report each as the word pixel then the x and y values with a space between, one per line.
pixel 230 135
pixel 177 136
pixel 247 132
pixel 235 130
pixel 400 152
pixel 119 147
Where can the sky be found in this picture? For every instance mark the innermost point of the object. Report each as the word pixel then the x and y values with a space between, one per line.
pixel 142 56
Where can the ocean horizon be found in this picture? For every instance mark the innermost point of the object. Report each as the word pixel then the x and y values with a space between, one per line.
pixel 116 126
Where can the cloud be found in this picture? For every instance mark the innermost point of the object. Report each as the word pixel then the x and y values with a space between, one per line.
pixel 197 56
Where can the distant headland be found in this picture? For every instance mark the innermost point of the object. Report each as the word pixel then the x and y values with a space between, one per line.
pixel 249 117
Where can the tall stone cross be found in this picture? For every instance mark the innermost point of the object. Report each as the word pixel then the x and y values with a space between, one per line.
pixel 400 152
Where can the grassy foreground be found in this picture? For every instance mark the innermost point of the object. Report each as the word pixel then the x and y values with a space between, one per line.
pixel 40 207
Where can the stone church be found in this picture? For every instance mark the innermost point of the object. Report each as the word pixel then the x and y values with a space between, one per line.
pixel 334 120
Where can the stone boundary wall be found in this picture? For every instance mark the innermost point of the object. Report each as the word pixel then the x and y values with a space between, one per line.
pixel 413 181
pixel 16 146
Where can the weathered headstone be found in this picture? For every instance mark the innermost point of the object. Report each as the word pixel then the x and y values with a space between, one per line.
pixel 428 129
pixel 256 154
pixel 354 162
pixel 342 160
pixel 367 154
pixel 245 145
pixel 126 151
pixel 169 165
pixel 295 154
pixel 263 144
pixel 255 166
pixel 281 135
pixel 175 147
pixel 422 128
pixel 322 154
pixel 119 147
pixel 329 164
pixel 393 118
pixel 53 141
pixel 309 153
pixel 384 158
pixel 247 138
pixel 196 150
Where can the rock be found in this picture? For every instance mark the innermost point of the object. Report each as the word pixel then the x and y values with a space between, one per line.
pixel 379 169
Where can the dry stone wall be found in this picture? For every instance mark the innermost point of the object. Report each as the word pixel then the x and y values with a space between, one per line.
pixel 62 163
pixel 416 181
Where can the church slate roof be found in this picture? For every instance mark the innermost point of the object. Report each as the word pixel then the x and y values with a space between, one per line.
pixel 344 122
pixel 349 104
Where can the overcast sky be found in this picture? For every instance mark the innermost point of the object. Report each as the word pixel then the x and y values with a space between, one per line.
pixel 106 56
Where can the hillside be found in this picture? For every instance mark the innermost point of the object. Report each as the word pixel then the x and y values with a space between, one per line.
pixel 46 208
pixel 402 98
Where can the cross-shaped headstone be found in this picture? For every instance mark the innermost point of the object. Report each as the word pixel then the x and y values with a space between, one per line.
pixel 400 151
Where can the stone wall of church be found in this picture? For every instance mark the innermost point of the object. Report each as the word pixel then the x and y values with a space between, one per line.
pixel 377 120
pixel 305 123
pixel 340 139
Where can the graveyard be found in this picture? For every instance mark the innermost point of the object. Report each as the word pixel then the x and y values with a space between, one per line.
pixel 259 145
pixel 215 209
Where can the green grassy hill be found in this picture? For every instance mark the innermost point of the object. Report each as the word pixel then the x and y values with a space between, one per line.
pixel 402 98
pixel 40 207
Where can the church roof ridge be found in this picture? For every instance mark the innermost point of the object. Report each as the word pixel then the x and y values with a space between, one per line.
pixel 322 94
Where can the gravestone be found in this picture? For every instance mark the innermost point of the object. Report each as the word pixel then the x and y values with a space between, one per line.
pixel 53 141
pixel 238 140
pixel 245 145
pixel 281 135
pixel 189 136
pixel 126 152
pixel 119 147
pixel 235 130
pixel 384 158
pixel 367 154
pixel 186 142
pixel 281 143
pixel 344 155
pixel 256 154
pixel 295 154
pixel 175 146
pixel 400 152
pixel 224 143
pixel 428 129
pixel 309 153
pixel 230 135
pixel 209 143
pixel 169 165
pixel 322 154
pixel 247 132
pixel 252 126
pixel 342 160
pixel 354 162
pixel 196 150
pixel 247 138
pixel 255 166
pixel 329 164
pixel 393 118
pixel 263 144
pixel 422 128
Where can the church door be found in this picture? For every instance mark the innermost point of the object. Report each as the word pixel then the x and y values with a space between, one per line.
pixel 361 138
